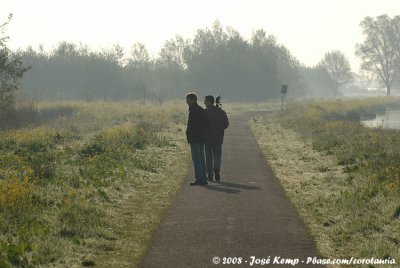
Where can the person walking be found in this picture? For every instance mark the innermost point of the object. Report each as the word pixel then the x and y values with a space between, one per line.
pixel 217 122
pixel 195 134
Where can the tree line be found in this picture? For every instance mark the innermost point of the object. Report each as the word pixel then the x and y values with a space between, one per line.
pixel 214 61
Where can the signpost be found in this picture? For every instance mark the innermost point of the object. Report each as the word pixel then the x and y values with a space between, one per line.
pixel 283 92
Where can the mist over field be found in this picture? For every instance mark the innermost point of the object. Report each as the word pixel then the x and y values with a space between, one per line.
pixel 217 60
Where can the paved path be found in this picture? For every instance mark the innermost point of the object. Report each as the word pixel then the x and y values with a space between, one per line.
pixel 246 214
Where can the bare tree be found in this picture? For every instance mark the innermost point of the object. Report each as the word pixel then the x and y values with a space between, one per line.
pixel 337 68
pixel 380 51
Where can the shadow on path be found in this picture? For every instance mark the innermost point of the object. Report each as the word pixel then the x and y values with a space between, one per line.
pixel 229 187
pixel 238 185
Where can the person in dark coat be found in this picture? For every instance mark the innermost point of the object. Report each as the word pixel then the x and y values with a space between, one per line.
pixel 217 122
pixel 195 134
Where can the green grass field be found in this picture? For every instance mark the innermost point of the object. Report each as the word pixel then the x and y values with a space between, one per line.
pixel 89 185
pixel 343 178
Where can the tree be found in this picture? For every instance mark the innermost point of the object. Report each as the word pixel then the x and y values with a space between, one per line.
pixel 337 68
pixel 139 70
pixel 11 71
pixel 287 65
pixel 113 55
pixel 396 42
pixel 172 54
pixel 317 82
pixel 139 58
pixel 171 75
pixel 379 53
pixel 217 60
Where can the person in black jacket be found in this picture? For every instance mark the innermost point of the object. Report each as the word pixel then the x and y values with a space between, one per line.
pixel 217 122
pixel 195 134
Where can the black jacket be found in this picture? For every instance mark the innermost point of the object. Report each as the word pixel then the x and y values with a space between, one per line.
pixel 196 126
pixel 217 122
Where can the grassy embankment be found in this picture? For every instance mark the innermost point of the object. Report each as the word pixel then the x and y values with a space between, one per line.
pixel 343 178
pixel 89 188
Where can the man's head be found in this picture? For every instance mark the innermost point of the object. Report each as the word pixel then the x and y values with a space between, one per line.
pixel 209 101
pixel 191 98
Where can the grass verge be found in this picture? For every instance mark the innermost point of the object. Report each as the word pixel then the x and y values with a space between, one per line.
pixel 342 177
pixel 88 188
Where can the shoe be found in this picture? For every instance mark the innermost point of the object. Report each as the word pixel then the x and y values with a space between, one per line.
pixel 195 183
pixel 217 176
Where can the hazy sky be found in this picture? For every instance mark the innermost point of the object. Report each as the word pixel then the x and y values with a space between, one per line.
pixel 308 28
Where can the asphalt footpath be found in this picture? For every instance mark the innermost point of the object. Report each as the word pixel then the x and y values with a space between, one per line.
pixel 245 220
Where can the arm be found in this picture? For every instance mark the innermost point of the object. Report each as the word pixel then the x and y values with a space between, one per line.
pixel 189 127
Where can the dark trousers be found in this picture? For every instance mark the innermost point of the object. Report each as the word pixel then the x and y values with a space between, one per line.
pixel 213 158
pixel 197 150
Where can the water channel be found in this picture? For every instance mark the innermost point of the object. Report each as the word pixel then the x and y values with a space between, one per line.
pixel 389 120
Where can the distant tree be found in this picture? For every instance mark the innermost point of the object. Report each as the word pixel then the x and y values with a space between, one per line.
pixel 287 65
pixel 11 71
pixel 289 71
pixel 114 55
pixel 172 54
pixel 216 60
pixel 396 42
pixel 317 82
pixel 207 41
pixel 139 57
pixel 170 73
pixel 379 53
pixel 139 68
pixel 66 49
pixel 337 68
pixel 221 61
